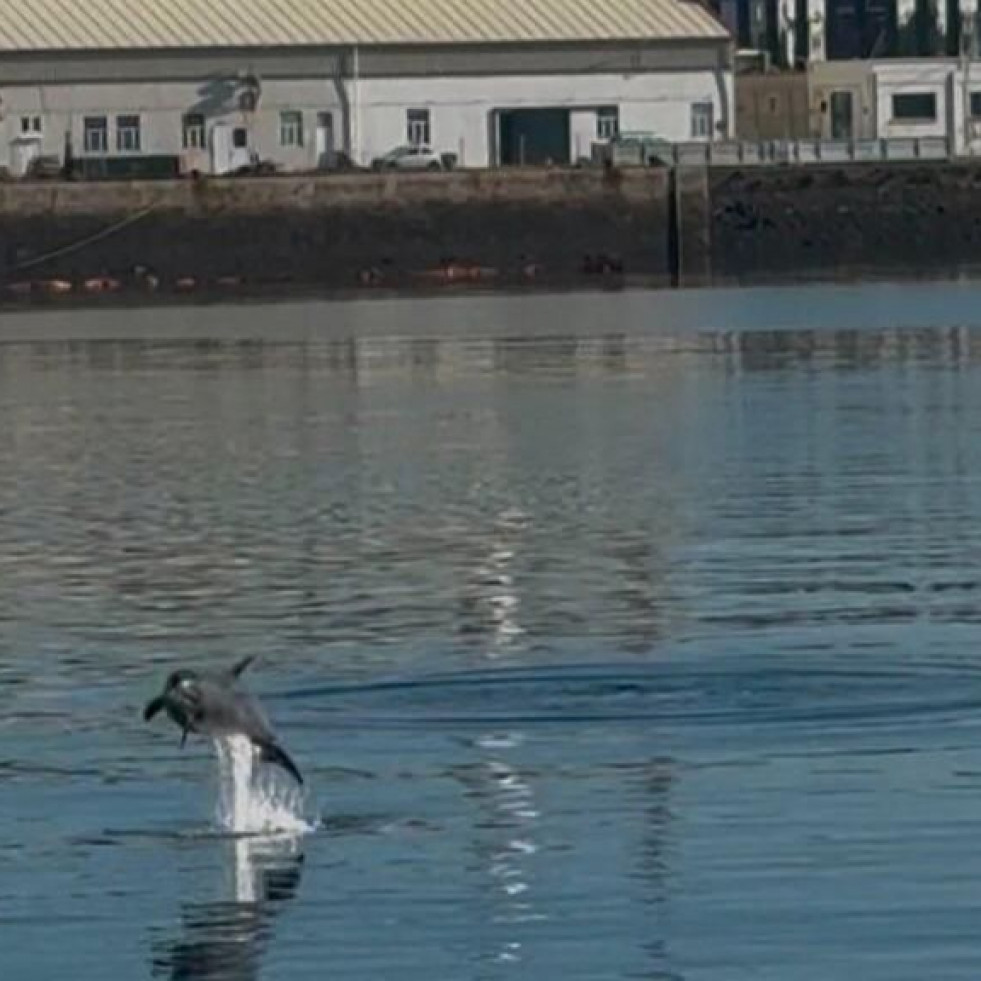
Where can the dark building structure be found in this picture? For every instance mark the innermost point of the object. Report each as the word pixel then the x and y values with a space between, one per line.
pixel 860 29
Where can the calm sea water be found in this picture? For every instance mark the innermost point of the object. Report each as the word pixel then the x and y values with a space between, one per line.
pixel 618 636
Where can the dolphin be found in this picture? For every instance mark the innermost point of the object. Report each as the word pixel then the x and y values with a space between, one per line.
pixel 209 703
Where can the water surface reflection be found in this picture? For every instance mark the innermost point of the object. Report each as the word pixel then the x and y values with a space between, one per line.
pixel 225 939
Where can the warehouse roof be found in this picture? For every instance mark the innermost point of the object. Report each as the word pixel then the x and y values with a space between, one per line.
pixel 100 25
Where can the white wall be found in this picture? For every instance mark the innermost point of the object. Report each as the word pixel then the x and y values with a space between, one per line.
pixel 162 107
pixel 934 77
pixel 461 110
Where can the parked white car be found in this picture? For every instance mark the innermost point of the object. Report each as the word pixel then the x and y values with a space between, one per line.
pixel 409 157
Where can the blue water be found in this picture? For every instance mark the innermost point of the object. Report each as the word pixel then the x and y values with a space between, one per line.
pixel 618 635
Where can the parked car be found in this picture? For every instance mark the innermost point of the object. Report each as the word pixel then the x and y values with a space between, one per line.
pixel 336 161
pixel 410 157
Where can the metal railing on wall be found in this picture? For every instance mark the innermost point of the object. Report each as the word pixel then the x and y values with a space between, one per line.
pixel 740 153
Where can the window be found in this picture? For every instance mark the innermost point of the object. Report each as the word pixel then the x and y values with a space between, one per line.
pixel 916 106
pixel 128 134
pixel 976 105
pixel 291 128
pixel 702 114
pixel 95 134
pixel 30 125
pixel 194 131
pixel 417 131
pixel 607 122
pixel 240 138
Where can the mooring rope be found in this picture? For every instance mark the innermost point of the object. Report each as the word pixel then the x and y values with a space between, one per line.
pixel 88 240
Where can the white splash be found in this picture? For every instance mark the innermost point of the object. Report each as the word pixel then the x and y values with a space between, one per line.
pixel 254 799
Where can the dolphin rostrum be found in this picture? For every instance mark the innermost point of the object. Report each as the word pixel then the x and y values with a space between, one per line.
pixel 210 704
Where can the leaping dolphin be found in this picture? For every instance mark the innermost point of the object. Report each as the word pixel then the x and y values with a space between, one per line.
pixel 209 703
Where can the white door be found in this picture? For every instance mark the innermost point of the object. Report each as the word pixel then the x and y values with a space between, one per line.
pixel 324 139
pixel 221 148
pixel 242 155
pixel 229 148
pixel 22 152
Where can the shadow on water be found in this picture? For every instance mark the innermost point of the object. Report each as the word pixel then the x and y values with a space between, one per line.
pixel 225 940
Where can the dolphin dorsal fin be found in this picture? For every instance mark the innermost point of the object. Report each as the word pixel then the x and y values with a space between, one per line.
pixel 240 666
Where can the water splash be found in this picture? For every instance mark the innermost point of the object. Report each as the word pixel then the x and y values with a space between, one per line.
pixel 252 799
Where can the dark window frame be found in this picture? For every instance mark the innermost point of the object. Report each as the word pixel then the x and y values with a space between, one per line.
pixel 914 107
pixel 418 127
pixel 194 131
pixel 129 133
pixel 291 129
pixel 95 134
pixel 607 122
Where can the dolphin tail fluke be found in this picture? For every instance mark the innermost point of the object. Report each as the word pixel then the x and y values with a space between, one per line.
pixel 153 707
pixel 275 754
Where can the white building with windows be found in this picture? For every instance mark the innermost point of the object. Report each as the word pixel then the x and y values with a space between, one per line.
pixel 214 85
pixel 899 99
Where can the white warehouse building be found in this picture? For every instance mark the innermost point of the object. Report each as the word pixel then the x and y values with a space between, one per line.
pixel 214 85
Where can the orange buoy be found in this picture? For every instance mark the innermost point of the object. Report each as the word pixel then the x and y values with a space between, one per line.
pixel 101 284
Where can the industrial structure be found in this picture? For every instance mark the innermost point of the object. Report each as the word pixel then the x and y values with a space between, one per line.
pixel 858 71
pixel 794 33
pixel 219 85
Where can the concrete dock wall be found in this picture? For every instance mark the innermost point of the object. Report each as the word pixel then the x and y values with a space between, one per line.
pixel 793 223
pixel 342 231
pixel 687 227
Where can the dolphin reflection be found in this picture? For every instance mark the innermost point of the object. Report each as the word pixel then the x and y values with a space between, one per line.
pixel 226 940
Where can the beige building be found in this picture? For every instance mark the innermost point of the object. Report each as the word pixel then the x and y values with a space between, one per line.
pixel 772 106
